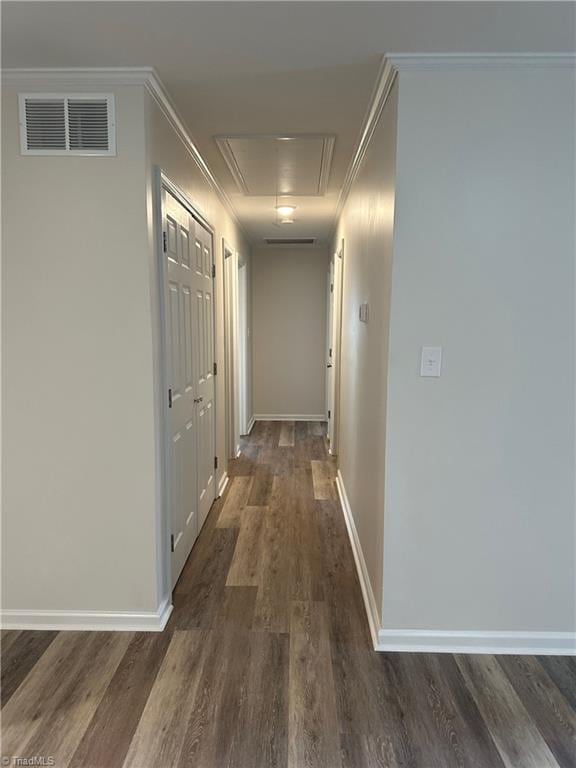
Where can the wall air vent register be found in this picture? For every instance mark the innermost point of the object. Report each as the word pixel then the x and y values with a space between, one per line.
pixel 67 124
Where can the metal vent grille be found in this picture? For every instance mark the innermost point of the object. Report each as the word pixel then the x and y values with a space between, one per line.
pixel 45 124
pixel 88 124
pixel 67 124
pixel 290 240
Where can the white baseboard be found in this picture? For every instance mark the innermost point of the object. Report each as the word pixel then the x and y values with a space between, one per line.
pixel 366 586
pixel 289 417
pixel 440 641
pixel 89 621
pixel 223 483
pixel 250 425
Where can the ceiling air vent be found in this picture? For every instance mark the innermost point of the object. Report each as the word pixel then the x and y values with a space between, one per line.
pixel 290 240
pixel 67 124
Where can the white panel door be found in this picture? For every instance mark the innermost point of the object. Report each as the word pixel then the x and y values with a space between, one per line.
pixel 190 359
pixel 204 385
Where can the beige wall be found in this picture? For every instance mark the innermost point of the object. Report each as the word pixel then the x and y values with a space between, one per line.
pixel 82 521
pixel 462 487
pixel 289 290
pixel 366 226
pixel 480 509
pixel 78 434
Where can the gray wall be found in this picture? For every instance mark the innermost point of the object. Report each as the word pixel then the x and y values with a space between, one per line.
pixel 479 521
pixel 289 288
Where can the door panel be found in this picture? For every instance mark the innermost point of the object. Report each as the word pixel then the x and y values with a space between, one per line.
pixel 206 388
pixel 190 338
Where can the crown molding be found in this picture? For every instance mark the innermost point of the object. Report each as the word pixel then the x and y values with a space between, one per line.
pixel 384 82
pixel 394 63
pixel 480 61
pixel 115 76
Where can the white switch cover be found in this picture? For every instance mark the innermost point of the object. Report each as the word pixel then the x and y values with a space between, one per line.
pixel 431 361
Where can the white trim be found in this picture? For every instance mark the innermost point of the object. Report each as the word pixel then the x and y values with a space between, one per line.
pixel 440 641
pixel 367 593
pixel 250 425
pixel 89 621
pixel 222 484
pixel 113 76
pixel 399 62
pixel 289 417
pixel 456 641
pixel 383 86
pixel 481 61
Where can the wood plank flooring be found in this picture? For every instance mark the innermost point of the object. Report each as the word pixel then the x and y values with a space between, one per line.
pixel 266 661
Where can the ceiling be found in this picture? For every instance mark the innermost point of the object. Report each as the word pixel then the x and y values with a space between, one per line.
pixel 264 69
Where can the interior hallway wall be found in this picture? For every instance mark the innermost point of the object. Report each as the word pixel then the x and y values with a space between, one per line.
pixel 81 495
pixel 289 293
pixel 78 435
pixel 366 226
pixel 480 507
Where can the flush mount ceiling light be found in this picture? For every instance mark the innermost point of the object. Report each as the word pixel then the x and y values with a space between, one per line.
pixel 286 221
pixel 285 210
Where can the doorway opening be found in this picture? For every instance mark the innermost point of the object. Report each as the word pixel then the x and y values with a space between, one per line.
pixel 333 346
pixel 243 347
pixel 236 334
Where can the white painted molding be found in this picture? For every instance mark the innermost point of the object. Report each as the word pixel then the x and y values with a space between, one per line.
pixel 250 425
pixel 394 63
pixel 113 76
pixel 370 605
pixel 480 61
pixel 89 621
pixel 289 417
pixel 517 643
pixel 222 484
pixel 436 641
pixel 383 86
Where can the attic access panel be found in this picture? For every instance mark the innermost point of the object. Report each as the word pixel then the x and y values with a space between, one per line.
pixel 295 165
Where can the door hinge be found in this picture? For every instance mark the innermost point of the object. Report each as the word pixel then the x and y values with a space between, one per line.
pixel 215 369
pixel 213 270
pixel 215 462
pixel 331 287
pixel 330 352
pixel 164 241
pixel 329 414
pixel 170 398
pixel 171 542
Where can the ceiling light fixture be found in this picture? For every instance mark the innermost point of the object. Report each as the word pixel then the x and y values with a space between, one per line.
pixel 285 210
pixel 286 221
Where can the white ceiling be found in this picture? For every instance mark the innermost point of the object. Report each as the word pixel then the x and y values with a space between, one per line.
pixel 272 68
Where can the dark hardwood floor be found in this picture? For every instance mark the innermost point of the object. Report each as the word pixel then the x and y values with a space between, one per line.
pixel 267 662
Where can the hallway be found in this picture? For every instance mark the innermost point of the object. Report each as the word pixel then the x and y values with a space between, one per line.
pixel 267 659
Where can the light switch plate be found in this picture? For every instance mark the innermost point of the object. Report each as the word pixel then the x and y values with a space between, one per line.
pixel 431 362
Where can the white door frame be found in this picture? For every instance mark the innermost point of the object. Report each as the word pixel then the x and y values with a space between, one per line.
pixel 243 276
pixel 230 261
pixel 337 296
pixel 161 358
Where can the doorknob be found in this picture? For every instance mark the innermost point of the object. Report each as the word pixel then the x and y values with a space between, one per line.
pixel 198 399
